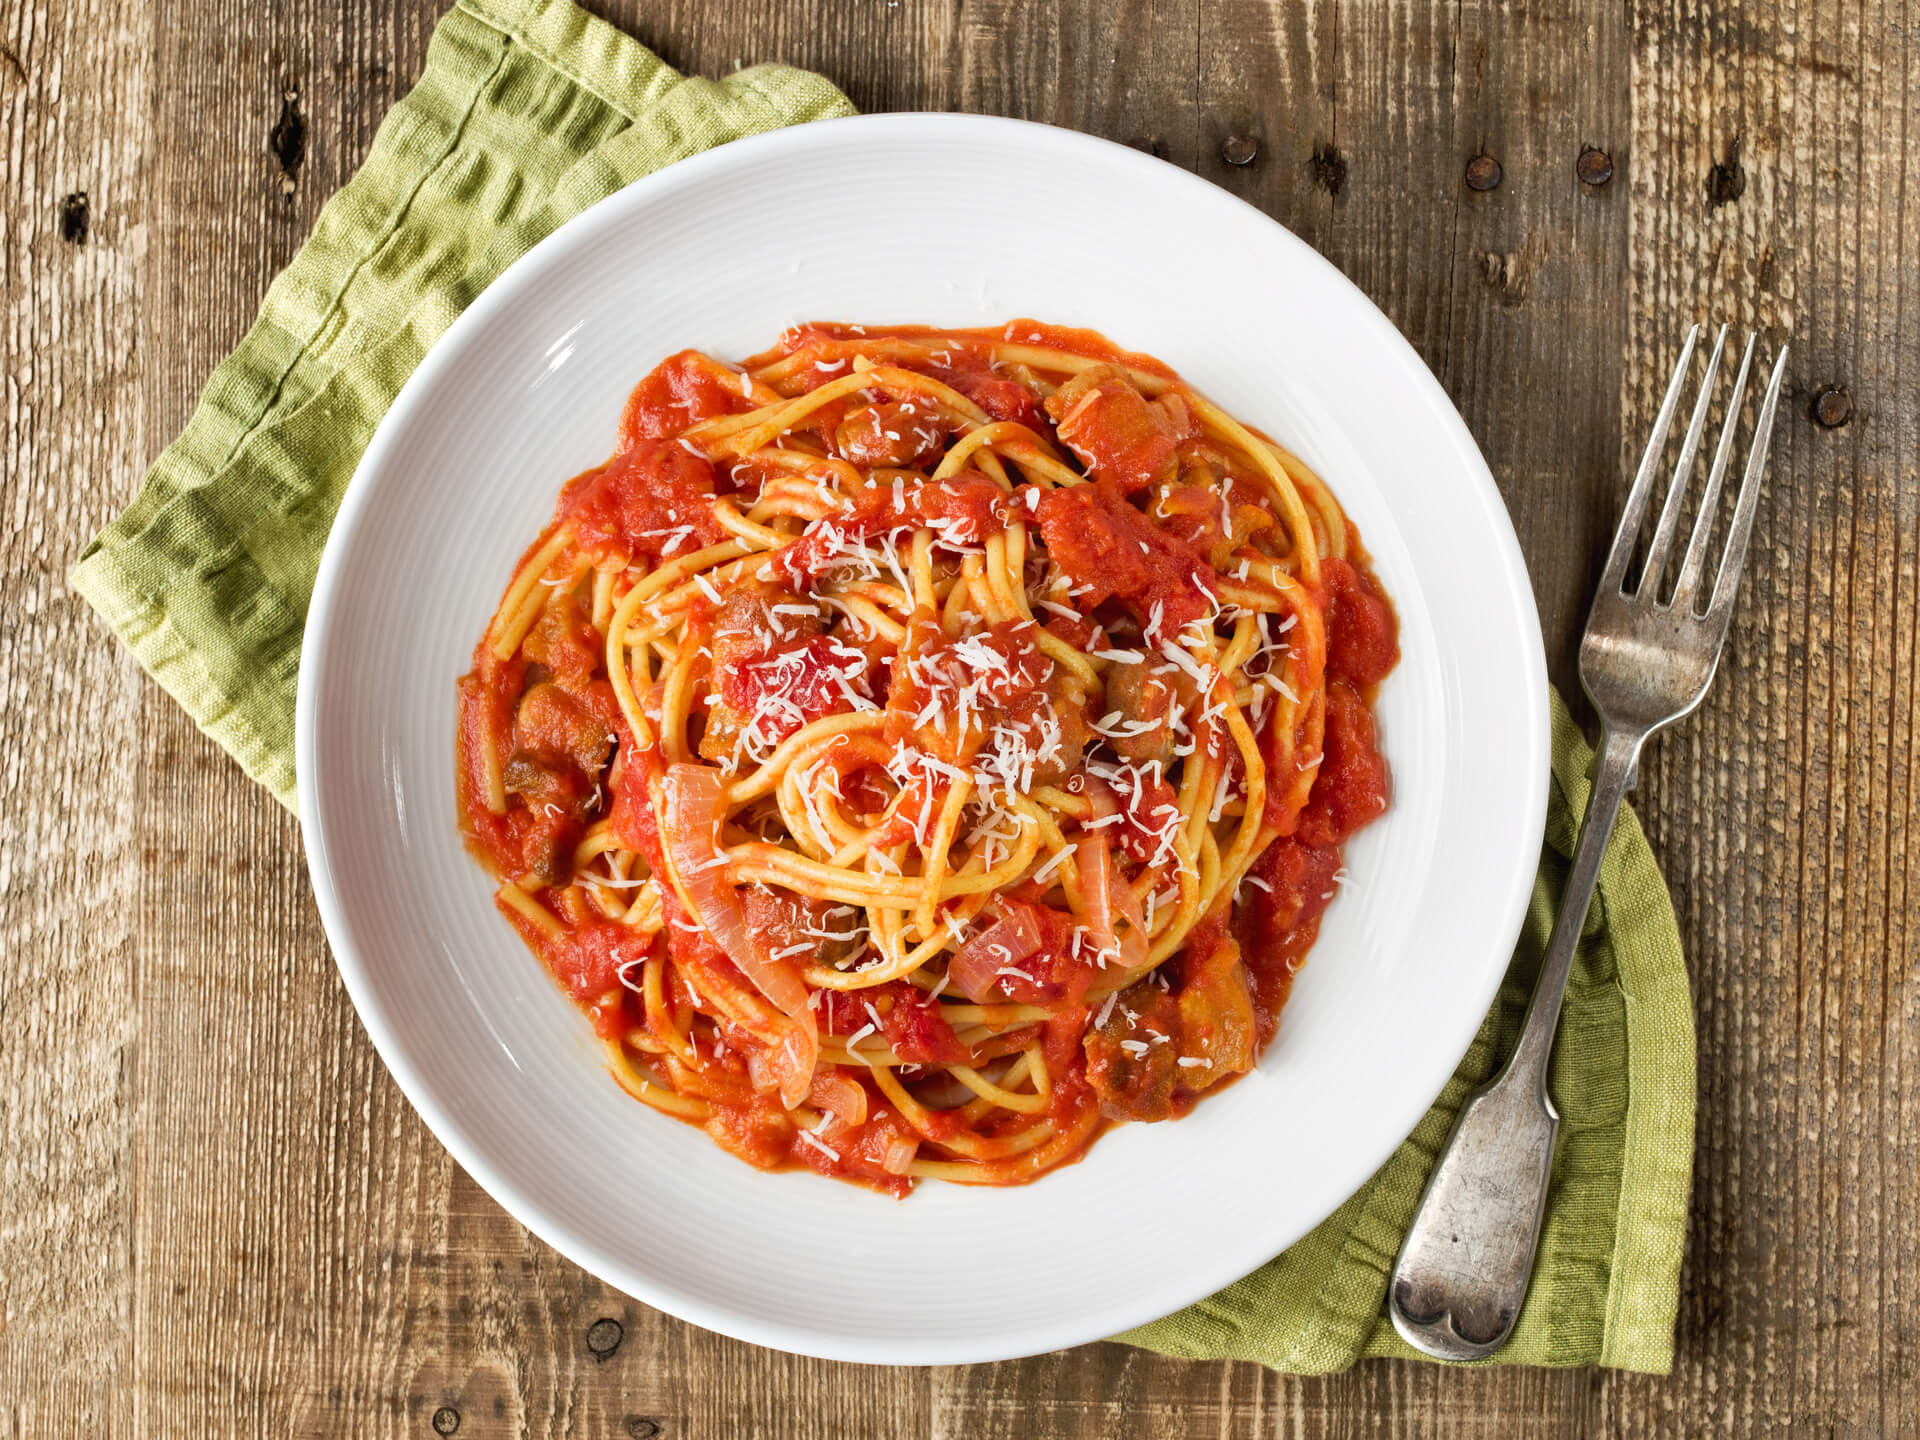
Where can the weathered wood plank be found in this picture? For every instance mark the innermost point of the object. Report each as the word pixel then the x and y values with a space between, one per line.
pixel 1772 156
pixel 73 273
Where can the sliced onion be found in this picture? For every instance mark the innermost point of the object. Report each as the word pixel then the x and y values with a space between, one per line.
pixel 1126 906
pixel 1108 898
pixel 896 1155
pixel 691 795
pixel 843 1100
pixel 787 1063
pixel 975 968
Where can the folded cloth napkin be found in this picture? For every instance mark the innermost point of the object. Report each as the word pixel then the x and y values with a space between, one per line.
pixel 529 112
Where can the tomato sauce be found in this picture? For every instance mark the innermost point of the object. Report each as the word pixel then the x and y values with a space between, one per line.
pixel 1002 399
pixel 1053 975
pixel 1145 812
pixel 1279 917
pixel 911 1024
pixel 679 392
pixel 1296 878
pixel 1103 543
pixel 590 960
pixel 1352 788
pixel 1001 665
pixel 1363 639
pixel 804 674
pixel 1122 438
pixel 654 499
pixel 487 699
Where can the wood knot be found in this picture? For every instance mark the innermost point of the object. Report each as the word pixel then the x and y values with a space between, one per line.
pixel 1507 273
pixel 1726 181
pixel 604 1336
pixel 1832 407
pixel 1329 168
pixel 446 1420
pixel 1484 172
pixel 1239 151
pixel 1149 144
pixel 1594 167
pixel 645 1427
pixel 289 139
pixel 75 217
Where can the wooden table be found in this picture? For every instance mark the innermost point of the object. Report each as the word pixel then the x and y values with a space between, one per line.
pixel 216 1210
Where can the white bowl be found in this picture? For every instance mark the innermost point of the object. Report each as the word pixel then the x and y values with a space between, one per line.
pixel 949 220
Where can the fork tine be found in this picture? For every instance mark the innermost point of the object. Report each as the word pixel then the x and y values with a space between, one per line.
pixel 1735 555
pixel 1682 472
pixel 1689 582
pixel 1636 508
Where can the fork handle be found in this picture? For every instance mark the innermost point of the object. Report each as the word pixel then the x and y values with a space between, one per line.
pixel 1462 1273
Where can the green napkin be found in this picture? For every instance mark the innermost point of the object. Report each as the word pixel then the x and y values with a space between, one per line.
pixel 529 112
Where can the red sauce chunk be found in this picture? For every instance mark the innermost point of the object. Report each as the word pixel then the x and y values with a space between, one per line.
pixel 1352 787
pixel 896 433
pixel 487 699
pixel 593 961
pixel 1118 434
pixel 1002 661
pixel 1363 637
pixel 1102 542
pixel 633 820
pixel 682 390
pixel 794 683
pixel 1003 399
pixel 1149 808
pixel 1278 918
pixel 997 678
pixel 653 499
pixel 911 1024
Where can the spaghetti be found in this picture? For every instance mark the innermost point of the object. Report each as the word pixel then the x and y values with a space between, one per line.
pixel 916 749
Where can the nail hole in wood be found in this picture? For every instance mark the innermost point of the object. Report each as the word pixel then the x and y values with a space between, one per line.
pixel 289 138
pixel 1329 168
pixel 1726 181
pixel 76 216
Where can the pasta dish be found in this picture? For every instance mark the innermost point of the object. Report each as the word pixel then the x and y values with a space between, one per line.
pixel 917 749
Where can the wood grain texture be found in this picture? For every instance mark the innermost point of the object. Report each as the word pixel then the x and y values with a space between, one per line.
pixel 73 248
pixel 217 1214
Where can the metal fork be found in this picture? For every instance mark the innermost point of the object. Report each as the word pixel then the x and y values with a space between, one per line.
pixel 1463 1269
